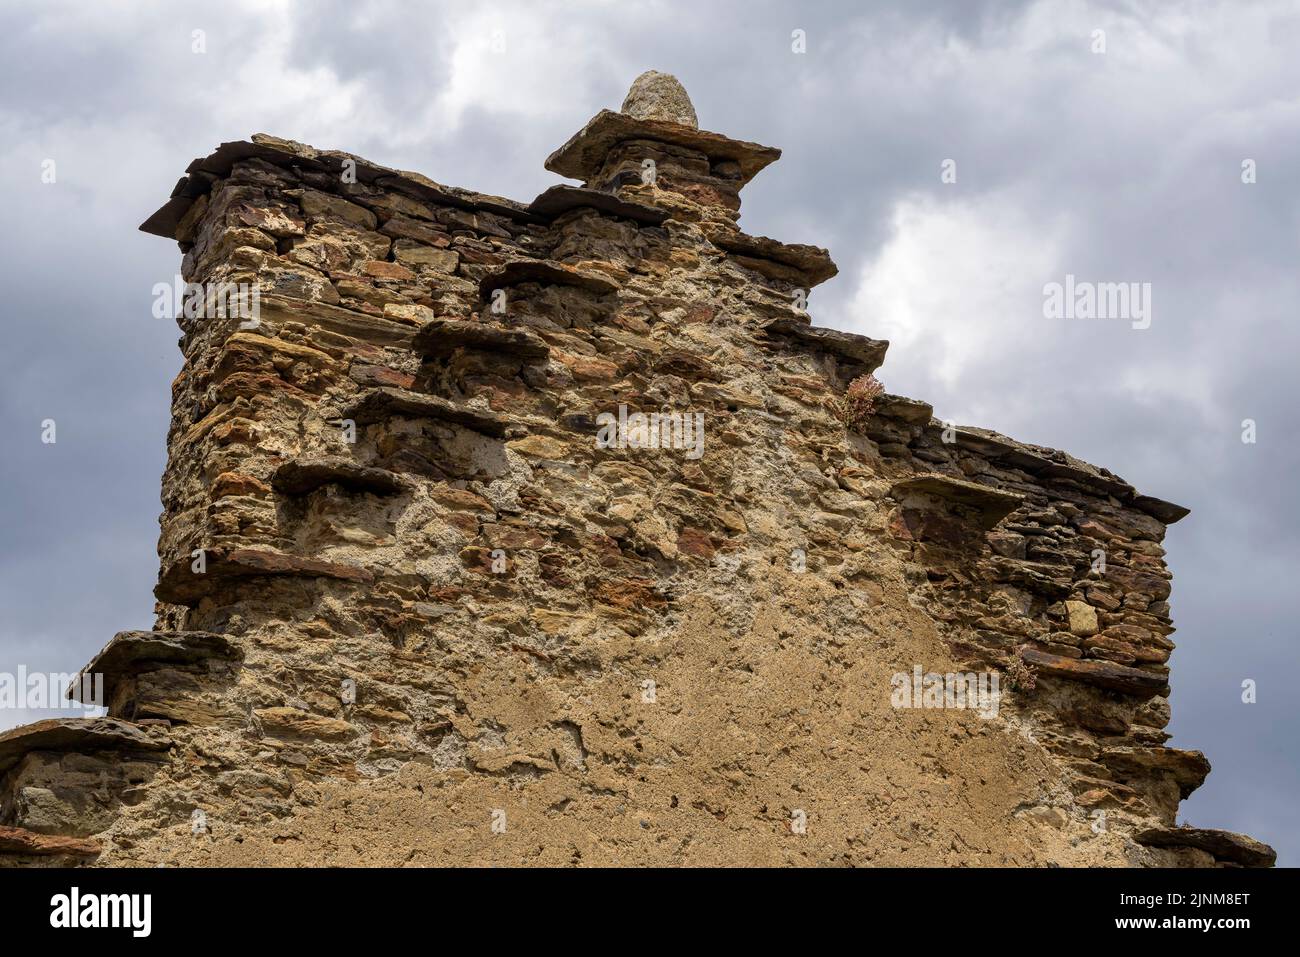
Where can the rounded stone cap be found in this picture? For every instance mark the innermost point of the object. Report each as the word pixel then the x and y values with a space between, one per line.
pixel 659 96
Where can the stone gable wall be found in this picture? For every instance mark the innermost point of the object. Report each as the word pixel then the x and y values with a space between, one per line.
pixel 435 623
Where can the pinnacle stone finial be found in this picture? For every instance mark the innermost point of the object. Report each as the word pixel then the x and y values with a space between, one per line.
pixel 660 96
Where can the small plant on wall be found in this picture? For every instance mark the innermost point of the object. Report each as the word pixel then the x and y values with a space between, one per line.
pixel 859 401
pixel 1020 676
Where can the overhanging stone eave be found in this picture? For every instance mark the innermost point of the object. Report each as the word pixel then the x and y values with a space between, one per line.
pixel 990 504
pixel 864 354
pixel 302 476
pixel 1053 463
pixel 129 649
pixel 76 734
pixel 377 405
pixel 584 153
pixel 203 171
pixel 179 584
pixel 813 263
pixel 1223 845
pixel 558 200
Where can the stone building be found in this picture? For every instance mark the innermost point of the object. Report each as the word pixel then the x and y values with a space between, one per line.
pixel 437 589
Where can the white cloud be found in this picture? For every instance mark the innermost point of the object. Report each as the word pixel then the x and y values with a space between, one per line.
pixel 954 284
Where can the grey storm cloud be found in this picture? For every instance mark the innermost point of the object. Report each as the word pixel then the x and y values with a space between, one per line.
pixel 1122 166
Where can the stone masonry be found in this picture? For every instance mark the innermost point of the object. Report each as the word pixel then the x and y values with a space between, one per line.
pixel 413 611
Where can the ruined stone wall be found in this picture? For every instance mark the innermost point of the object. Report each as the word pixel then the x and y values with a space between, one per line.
pixel 410 612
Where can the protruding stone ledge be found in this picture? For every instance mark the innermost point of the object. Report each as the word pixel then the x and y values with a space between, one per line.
pixel 203 171
pixel 379 405
pixel 302 476
pixel 22 842
pixel 1161 510
pixel 180 585
pixel 1102 674
pixel 1188 768
pixel 547 273
pixel 862 354
pixel 558 200
pixel 129 652
pixel 76 734
pixel 1042 462
pixel 794 261
pixel 990 505
pixel 1045 463
pixel 584 154
pixel 441 337
pixel 1223 845
pixel 900 407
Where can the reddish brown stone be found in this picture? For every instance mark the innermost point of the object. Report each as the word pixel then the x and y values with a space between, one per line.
pixel 692 541
pixel 479 560
pixel 20 841
pixel 382 269
pixel 248 386
pixel 456 498
pixel 372 375
pixel 236 431
pixel 1103 674
pixel 463 522
pixel 629 593
pixel 587 368
pixel 511 537
pixel 236 483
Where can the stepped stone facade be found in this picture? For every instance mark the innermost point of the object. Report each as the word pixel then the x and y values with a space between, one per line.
pixel 413 611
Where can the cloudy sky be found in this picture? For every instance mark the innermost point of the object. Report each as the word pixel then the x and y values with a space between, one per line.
pixel 1117 166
